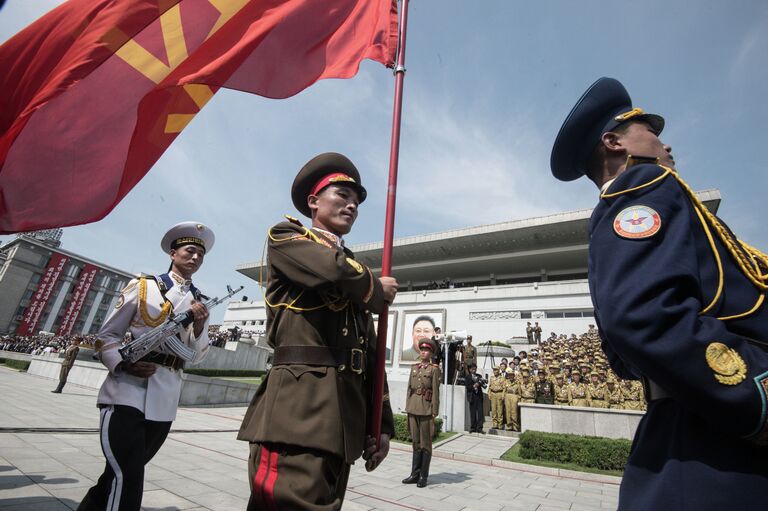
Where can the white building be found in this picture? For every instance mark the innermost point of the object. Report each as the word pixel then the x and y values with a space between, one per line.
pixel 501 275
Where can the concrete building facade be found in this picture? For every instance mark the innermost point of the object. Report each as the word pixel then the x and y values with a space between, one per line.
pixel 44 288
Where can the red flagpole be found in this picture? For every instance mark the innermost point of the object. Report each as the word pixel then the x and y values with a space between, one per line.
pixel 389 226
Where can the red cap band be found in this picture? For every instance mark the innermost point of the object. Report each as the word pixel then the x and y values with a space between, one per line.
pixel 329 179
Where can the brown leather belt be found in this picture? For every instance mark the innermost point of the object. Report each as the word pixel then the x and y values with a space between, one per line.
pixel 164 359
pixel 343 359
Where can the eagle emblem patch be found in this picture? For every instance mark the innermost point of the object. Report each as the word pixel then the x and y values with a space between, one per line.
pixel 637 222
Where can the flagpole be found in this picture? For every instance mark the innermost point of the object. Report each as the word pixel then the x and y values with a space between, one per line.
pixel 389 225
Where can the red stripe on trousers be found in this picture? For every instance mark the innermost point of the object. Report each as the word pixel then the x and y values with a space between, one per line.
pixel 261 474
pixel 269 486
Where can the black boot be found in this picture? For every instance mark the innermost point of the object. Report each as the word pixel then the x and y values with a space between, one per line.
pixel 58 389
pixel 415 468
pixel 426 457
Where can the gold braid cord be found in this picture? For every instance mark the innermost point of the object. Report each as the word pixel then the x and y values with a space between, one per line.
pixel 752 262
pixel 149 320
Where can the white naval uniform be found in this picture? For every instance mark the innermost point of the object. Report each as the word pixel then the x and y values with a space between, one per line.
pixel 157 396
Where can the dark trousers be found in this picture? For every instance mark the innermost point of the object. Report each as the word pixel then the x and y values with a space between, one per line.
pixel 128 442
pixel 287 477
pixel 476 417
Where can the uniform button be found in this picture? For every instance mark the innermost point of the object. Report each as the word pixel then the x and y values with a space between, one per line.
pixel 344 331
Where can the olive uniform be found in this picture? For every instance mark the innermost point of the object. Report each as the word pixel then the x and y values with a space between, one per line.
pixel 597 394
pixel 633 397
pixel 496 395
pixel 307 422
pixel 545 392
pixel 422 405
pixel 511 400
pixel 579 394
pixel 562 393
pixel 70 355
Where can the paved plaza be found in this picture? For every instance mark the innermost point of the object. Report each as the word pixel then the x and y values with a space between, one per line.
pixel 50 455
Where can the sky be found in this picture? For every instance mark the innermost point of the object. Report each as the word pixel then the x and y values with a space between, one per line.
pixel 489 83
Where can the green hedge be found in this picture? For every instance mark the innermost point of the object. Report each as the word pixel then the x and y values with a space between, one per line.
pixel 21 365
pixel 234 373
pixel 401 428
pixel 587 451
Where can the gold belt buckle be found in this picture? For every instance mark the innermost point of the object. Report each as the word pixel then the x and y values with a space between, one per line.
pixel 356 361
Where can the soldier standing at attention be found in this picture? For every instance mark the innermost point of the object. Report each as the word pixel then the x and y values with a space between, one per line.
pixel 578 391
pixel 470 354
pixel 613 394
pixel 537 333
pixel 511 400
pixel 306 424
pixel 138 400
pixel 422 405
pixel 527 387
pixel 596 395
pixel 562 391
pixel 529 333
pixel 70 355
pixel 680 302
pixel 545 391
pixel 496 395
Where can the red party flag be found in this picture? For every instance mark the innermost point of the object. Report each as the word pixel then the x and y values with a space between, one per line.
pixel 95 91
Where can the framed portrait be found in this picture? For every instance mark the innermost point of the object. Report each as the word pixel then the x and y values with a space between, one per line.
pixel 391 331
pixel 417 325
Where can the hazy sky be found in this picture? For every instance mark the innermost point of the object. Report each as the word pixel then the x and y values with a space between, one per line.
pixel 489 83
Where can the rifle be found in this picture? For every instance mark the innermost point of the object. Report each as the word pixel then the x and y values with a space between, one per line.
pixel 165 334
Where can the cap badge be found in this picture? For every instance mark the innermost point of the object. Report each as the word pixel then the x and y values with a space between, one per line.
pixel 200 227
pixel 727 364
pixel 637 222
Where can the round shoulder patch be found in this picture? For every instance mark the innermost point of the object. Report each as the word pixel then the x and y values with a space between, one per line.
pixel 636 222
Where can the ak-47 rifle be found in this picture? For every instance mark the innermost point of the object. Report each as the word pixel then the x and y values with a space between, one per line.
pixel 165 334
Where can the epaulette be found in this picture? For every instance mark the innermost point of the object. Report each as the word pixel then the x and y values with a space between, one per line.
pixel 293 220
pixel 640 176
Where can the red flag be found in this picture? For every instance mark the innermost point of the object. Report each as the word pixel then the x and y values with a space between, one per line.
pixel 95 91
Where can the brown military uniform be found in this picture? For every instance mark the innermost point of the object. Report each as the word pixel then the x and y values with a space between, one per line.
pixel 496 395
pixel 614 397
pixel 422 404
pixel 633 397
pixel 527 391
pixel 470 356
pixel 562 395
pixel 596 395
pixel 311 409
pixel 511 400
pixel 579 394
pixel 70 355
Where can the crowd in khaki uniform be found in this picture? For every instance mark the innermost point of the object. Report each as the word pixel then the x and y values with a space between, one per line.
pixel 563 371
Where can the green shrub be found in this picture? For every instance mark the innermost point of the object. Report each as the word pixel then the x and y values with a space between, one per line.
pixel 21 365
pixel 225 372
pixel 401 428
pixel 587 451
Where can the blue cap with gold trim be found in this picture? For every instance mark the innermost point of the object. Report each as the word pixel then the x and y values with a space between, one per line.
pixel 188 233
pixel 604 106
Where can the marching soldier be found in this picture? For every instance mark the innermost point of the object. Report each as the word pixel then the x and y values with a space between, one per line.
pixel 70 355
pixel 422 405
pixel 578 391
pixel 138 400
pixel 496 395
pixel 306 424
pixel 511 399
pixel 562 391
pixel 680 301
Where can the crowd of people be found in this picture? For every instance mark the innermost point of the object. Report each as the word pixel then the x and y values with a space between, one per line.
pixel 564 371
pixel 40 344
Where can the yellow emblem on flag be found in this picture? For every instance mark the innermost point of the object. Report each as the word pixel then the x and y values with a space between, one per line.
pixel 354 264
pixel 729 367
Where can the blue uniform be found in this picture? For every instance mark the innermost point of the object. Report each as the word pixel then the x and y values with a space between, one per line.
pixel 674 307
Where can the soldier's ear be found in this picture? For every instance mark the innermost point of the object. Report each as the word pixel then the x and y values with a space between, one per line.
pixel 312 204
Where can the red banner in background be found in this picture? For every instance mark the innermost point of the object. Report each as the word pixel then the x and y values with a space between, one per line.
pixel 78 298
pixel 43 293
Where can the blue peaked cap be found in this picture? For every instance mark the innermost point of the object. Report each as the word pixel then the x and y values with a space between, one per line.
pixel 604 106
